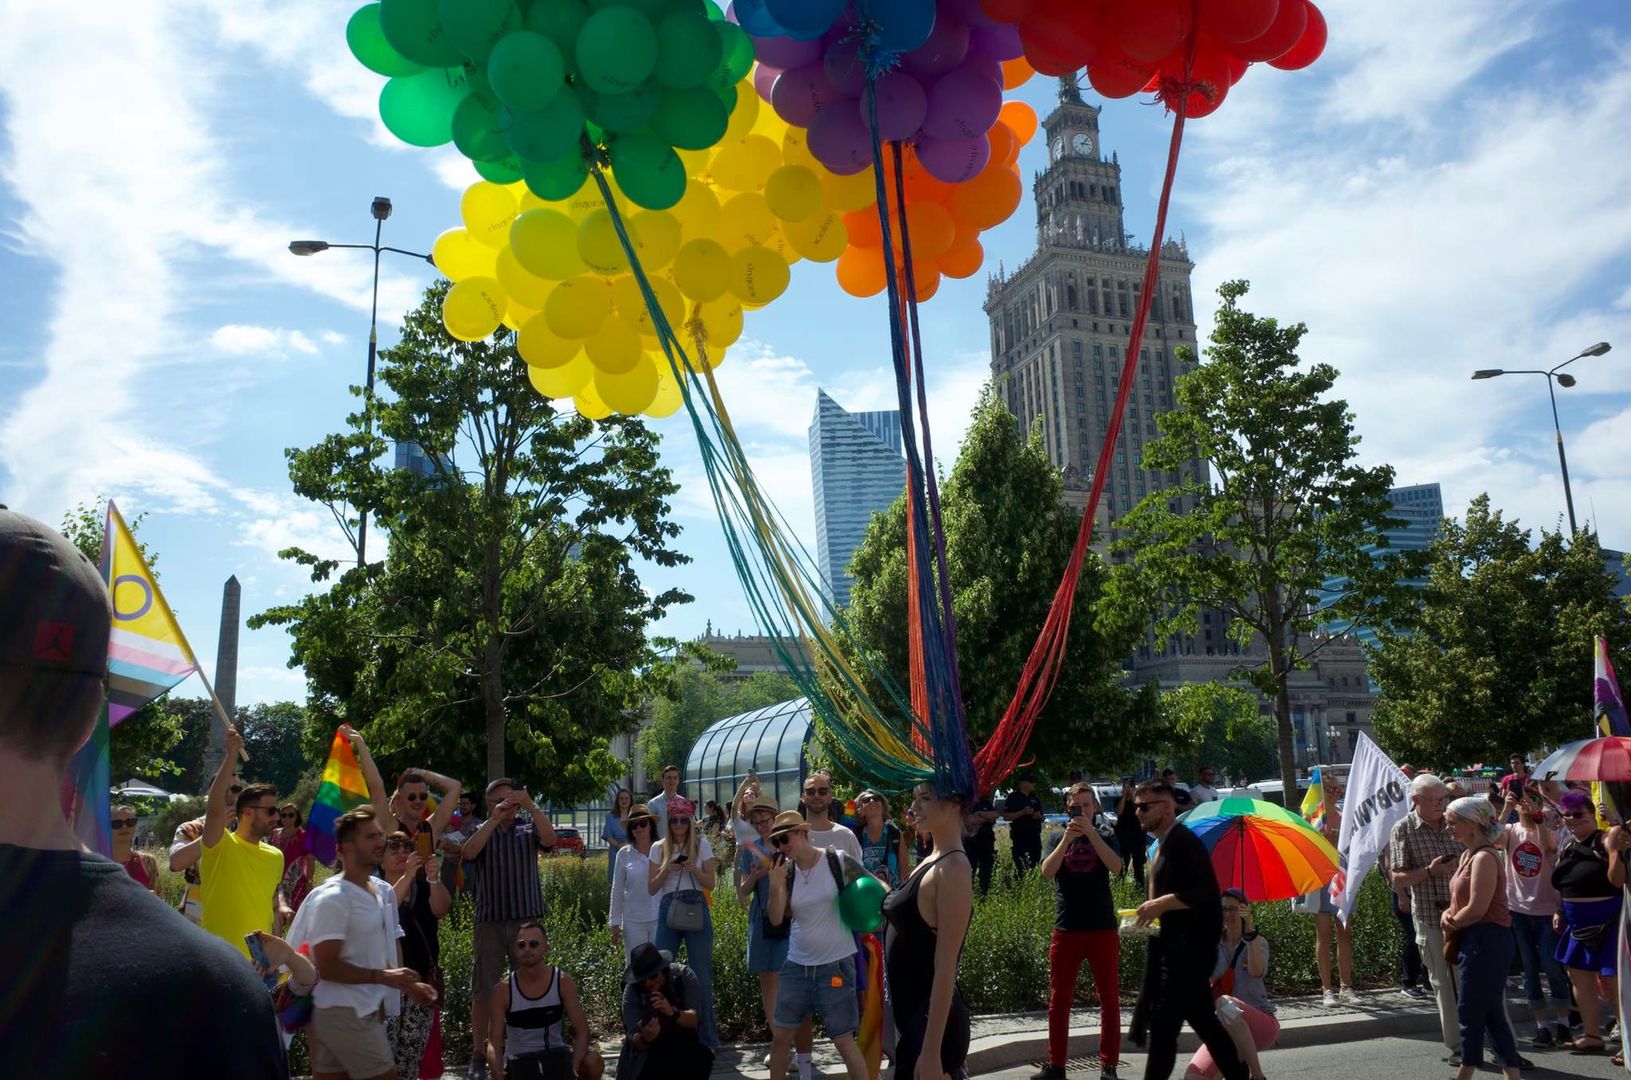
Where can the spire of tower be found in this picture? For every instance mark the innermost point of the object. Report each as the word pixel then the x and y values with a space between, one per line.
pixel 1069 92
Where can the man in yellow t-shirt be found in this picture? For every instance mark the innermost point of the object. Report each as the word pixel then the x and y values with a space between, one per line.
pixel 242 873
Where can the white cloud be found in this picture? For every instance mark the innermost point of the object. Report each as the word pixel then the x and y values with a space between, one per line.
pixel 236 339
pixel 332 337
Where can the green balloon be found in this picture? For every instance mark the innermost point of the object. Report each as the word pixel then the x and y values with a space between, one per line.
pixel 560 21
pixel 860 905
pixel 367 41
pixel 737 50
pixel 688 49
pixel 526 70
pixel 414 29
pixel 715 12
pixel 617 50
pixel 651 9
pixel 475 130
pixel 418 109
pixel 727 97
pixel 648 170
pixel 506 171
pixel 620 112
pixel 544 134
pixel 475 26
pixel 692 119
pixel 559 179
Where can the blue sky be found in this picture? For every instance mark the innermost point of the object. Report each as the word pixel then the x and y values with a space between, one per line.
pixel 1449 188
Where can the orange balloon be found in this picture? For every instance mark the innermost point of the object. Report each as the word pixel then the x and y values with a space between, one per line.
pixel 962 261
pixel 863 228
pixel 861 272
pixel 1020 118
pixel 1015 72
pixel 928 283
pixel 988 199
pixel 932 229
pixel 1004 143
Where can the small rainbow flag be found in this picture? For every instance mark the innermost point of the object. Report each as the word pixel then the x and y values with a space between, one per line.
pixel 1313 808
pixel 342 789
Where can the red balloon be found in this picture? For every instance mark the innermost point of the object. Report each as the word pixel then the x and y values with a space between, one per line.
pixel 1235 21
pixel 1043 51
pixel 1286 30
pixel 1237 67
pixel 1205 88
pixel 1008 10
pixel 1115 75
pixel 1308 47
pixel 1067 34
pixel 1150 29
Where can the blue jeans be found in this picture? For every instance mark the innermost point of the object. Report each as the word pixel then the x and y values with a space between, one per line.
pixel 1537 948
pixel 1486 957
pixel 699 957
pixel 828 989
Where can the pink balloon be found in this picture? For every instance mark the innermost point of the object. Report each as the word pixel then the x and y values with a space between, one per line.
pixel 902 105
pixel 764 80
pixel 1000 41
pixel 954 160
pixel 799 94
pixel 785 53
pixel 945 49
pixel 843 67
pixel 963 104
pixel 840 141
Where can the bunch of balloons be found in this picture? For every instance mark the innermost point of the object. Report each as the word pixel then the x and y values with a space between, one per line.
pixel 526 88
pixel 1194 49
pixel 555 270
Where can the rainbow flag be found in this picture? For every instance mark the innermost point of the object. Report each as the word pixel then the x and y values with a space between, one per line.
pixel 870 980
pixel 1313 808
pixel 342 789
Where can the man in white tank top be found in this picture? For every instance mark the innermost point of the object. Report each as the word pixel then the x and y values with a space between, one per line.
pixel 527 1010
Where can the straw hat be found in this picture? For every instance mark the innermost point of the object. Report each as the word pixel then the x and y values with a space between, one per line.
pixel 788 821
pixel 639 813
pixel 763 803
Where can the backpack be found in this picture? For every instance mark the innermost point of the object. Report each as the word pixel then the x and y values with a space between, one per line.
pixel 774 931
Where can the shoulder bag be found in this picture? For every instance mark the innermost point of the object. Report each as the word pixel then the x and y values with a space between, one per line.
pixel 688 910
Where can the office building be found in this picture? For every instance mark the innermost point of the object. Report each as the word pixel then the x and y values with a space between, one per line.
pixel 856 470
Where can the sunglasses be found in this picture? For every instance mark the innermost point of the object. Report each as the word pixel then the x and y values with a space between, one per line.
pixel 266 809
pixel 818 791
pixel 529 945
pixel 778 841
pixel 398 845
pixel 415 798
pixel 290 814
pixel 643 824
pixel 1576 815
pixel 679 821
pixel 1140 807
pixel 123 823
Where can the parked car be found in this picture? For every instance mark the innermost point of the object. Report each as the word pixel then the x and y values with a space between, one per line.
pixel 1274 791
pixel 568 841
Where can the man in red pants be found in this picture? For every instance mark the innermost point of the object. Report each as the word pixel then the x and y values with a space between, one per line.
pixel 1084 928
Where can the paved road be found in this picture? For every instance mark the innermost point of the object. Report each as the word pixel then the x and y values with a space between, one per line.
pixel 1398 1058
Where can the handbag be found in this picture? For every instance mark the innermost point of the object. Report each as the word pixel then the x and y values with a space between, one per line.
pixel 1452 947
pixel 688 910
pixel 1591 937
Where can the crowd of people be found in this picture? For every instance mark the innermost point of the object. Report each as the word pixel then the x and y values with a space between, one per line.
pixel 1527 873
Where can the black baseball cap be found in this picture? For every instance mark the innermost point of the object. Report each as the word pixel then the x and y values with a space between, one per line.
pixel 57 610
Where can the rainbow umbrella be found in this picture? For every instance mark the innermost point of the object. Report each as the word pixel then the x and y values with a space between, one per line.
pixel 1606 758
pixel 1264 850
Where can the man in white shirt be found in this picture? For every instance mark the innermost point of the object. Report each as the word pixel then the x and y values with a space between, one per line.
pixel 658 804
pixel 350 922
pixel 825 831
pixel 1205 790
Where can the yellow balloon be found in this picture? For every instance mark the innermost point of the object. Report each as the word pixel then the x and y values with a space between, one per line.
pixel 578 306
pixel 746 221
pixel 542 347
pixel 722 322
pixel 847 194
pixel 614 348
pixel 743 115
pixel 521 287
pixel 747 164
pixel 588 200
pixel 488 209
pixel 516 316
pixel 758 275
pixel 668 399
pixel 630 391
pixel 630 304
pixel 589 403
pixel 697 211
pixel 702 270
pixel 796 150
pixel 563 381
pixel 656 236
pixel 598 245
pixel 545 243
pixel 473 308
pixel 793 193
pixel 458 255
pixel 820 239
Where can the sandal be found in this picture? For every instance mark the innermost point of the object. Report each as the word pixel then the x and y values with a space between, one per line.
pixel 1618 1061
pixel 1587 1044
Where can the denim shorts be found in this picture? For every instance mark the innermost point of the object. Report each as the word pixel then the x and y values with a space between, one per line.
pixel 828 989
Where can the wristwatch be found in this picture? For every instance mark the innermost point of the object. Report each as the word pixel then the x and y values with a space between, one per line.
pixel 1250 935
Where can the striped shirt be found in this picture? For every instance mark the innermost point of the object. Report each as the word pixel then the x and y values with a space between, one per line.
pixel 505 875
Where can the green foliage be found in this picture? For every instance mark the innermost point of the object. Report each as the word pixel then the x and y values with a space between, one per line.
pixel 1218 725
pixel 272 734
pixel 1287 510
pixel 694 697
pixel 506 629
pixel 1500 661
pixel 164 823
pixel 1008 539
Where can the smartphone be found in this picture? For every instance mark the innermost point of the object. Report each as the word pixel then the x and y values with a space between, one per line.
pixel 257 953
pixel 682 857
pixel 1075 811
pixel 1517 787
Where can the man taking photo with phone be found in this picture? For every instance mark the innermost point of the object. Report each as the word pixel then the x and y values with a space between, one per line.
pixel 1423 856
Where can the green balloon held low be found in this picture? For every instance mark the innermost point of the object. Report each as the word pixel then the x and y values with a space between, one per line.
pixel 366 39
pixel 692 119
pixel 556 180
pixel 621 112
pixel 544 134
pixel 616 49
pixel 526 70
pixel 647 169
pixel 860 905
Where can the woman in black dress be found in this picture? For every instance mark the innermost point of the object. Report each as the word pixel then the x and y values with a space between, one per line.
pixel 928 919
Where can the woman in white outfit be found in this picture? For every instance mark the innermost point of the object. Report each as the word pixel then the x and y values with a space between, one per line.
pixel 633 917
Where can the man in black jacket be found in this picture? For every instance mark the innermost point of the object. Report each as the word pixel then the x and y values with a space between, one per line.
pixel 1184 895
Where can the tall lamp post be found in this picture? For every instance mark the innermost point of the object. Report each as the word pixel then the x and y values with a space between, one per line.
pixel 1565 381
pixel 381 210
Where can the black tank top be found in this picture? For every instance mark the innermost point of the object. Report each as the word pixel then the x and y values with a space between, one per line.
pixel 909 964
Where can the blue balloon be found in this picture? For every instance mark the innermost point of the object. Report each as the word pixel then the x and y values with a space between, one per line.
pixel 754 17
pixel 903 25
pixel 804 20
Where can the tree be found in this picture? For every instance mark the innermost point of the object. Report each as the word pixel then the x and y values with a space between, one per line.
pixel 1008 539
pixel 696 696
pixel 1218 725
pixel 1500 659
pixel 507 624
pixel 1289 510
pixel 272 734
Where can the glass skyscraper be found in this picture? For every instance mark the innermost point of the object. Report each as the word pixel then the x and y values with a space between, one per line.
pixel 1421 508
pixel 856 469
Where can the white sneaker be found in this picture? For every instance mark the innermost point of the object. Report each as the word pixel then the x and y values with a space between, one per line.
pixel 1347 996
pixel 1329 999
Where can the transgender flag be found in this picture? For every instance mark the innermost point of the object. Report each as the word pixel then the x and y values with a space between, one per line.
pixel 342 789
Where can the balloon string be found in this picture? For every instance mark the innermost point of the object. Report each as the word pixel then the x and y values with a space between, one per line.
pixel 997 758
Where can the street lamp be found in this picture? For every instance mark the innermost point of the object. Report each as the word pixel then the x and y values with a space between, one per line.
pixel 1565 381
pixel 381 209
